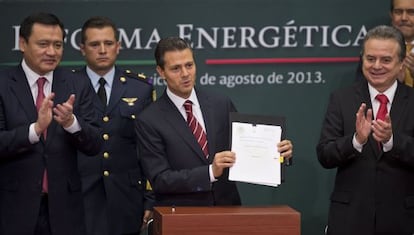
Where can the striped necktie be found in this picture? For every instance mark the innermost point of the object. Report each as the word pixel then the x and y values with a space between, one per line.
pixel 196 128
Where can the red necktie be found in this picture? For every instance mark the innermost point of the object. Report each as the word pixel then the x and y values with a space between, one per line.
pixel 39 99
pixel 196 128
pixel 382 110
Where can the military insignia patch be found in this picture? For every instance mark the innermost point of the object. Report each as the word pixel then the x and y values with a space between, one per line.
pixel 130 101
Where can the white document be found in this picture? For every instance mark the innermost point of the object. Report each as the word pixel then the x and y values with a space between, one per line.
pixel 257 158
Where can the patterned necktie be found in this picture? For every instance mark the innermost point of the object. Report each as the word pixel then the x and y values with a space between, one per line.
pixel 382 110
pixel 101 91
pixel 196 128
pixel 39 99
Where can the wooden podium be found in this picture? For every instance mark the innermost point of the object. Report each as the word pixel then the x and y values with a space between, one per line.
pixel 240 220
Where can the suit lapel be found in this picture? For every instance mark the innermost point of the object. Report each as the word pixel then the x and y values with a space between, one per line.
pixel 23 94
pixel 207 108
pixel 117 91
pixel 399 105
pixel 177 122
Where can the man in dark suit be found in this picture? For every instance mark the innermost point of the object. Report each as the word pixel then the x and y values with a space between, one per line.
pixel 182 170
pixel 40 187
pixel 113 183
pixel 368 136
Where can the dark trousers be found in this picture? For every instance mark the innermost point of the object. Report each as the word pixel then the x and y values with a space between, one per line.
pixel 43 226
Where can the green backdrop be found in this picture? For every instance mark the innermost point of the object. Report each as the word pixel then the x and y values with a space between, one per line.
pixel 273 57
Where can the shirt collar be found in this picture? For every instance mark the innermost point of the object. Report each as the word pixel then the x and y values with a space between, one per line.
pixel 390 92
pixel 94 77
pixel 32 76
pixel 179 101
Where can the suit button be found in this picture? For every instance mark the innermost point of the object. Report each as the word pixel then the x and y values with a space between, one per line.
pixel 139 182
pixel 106 155
pixel 133 116
pixel 105 119
pixel 105 136
pixel 106 173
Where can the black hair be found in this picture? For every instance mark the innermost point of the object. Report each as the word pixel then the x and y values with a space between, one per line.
pixel 98 22
pixel 169 44
pixel 41 18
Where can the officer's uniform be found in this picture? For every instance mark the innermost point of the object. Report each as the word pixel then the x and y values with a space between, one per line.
pixel 113 184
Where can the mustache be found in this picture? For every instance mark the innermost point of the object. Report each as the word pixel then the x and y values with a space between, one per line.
pixel 405 25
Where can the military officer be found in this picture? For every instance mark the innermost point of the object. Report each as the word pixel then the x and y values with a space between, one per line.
pixel 116 198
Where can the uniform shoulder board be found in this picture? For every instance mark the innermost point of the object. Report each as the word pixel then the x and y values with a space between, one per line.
pixel 139 76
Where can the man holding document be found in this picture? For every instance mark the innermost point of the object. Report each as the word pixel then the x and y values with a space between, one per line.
pixel 184 136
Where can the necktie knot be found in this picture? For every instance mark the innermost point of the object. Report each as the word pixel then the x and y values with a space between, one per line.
pixel 102 81
pixel 382 98
pixel 40 93
pixel 41 82
pixel 382 110
pixel 188 106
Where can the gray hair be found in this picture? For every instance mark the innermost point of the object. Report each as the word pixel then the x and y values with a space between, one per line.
pixel 386 32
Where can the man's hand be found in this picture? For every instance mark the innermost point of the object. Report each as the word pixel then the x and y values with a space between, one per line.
pixel 363 124
pixel 146 218
pixel 44 115
pixel 382 130
pixel 63 113
pixel 285 148
pixel 222 160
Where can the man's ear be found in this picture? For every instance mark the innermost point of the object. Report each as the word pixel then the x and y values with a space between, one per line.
pixel 82 49
pixel 160 72
pixel 22 44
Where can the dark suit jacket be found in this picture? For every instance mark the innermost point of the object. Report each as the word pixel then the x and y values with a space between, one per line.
pixel 374 191
pixel 22 163
pixel 114 204
pixel 173 159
